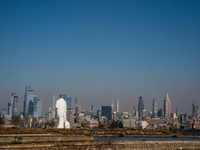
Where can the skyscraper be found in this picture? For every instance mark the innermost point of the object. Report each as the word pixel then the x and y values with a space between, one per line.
pixel 107 112
pixel 28 102
pixel 154 107
pixel 78 109
pixel 99 114
pixel 75 102
pixel 113 107
pixel 167 106
pixel 54 103
pixel 193 108
pixel 70 116
pixel 38 108
pixel 92 108
pixel 13 104
pixel 140 106
pixel 9 108
pixel 3 112
pixel 160 113
pixel 134 110
pixel 67 99
pixel 197 112
pixel 117 106
pixel 143 114
pixel 177 112
pixel 53 107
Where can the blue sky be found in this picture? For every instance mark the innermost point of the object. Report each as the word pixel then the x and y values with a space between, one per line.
pixel 101 50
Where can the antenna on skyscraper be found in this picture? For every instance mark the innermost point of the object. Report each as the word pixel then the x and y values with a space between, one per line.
pixel 167 94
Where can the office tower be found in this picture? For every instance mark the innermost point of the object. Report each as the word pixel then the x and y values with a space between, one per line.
pixel 76 105
pixel 92 108
pixel 70 116
pixel 193 108
pixel 28 102
pixel 140 106
pixel 99 114
pixel 107 112
pixel 136 115
pixel 14 104
pixel 35 104
pixel 114 115
pixel 167 107
pixel 197 112
pixel 38 108
pixel 9 108
pixel 49 114
pixel 54 107
pixel 150 114
pixel 54 103
pixel 78 109
pixel 117 106
pixel 3 112
pixel 182 118
pixel 177 112
pixel 46 117
pixel 173 115
pixel 67 99
pixel 186 116
pixel 154 107
pixel 160 113
pixel 134 110
pixel 143 113
pixel 112 107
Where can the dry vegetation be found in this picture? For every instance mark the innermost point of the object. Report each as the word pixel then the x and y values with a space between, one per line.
pixel 90 132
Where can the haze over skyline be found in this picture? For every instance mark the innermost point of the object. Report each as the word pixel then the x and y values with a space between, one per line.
pixel 101 50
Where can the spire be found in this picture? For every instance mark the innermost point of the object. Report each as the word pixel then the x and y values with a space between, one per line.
pixel 167 95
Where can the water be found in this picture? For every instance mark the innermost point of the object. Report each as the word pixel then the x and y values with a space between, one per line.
pixel 191 133
pixel 145 138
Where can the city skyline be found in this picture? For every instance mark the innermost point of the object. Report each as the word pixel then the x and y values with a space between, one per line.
pixel 69 100
pixel 101 50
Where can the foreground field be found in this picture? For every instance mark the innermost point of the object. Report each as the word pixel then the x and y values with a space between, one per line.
pixel 95 132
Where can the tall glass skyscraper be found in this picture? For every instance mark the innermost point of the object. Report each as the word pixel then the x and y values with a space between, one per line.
pixel 28 102
pixel 15 105
pixel 107 112
pixel 140 106
pixel 38 108
pixel 154 107
pixel 3 112
pixel 9 108
pixel 67 99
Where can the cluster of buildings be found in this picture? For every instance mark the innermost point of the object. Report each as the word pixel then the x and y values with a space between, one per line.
pixel 155 119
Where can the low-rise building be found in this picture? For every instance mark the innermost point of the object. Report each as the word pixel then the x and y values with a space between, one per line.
pixel 129 122
pixel 90 124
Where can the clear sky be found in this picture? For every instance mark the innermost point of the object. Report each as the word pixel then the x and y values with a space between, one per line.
pixel 97 50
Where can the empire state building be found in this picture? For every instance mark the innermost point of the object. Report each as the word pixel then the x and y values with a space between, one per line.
pixel 167 107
